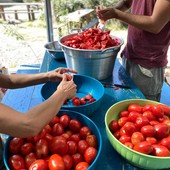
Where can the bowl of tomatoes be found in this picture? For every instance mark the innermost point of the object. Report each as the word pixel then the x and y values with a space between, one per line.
pixel 139 130
pixel 88 98
pixel 70 141
pixel 91 52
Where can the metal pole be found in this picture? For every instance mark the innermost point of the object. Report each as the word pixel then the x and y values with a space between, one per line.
pixel 48 15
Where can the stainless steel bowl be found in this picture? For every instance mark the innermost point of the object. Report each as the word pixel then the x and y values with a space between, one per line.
pixel 95 63
pixel 54 49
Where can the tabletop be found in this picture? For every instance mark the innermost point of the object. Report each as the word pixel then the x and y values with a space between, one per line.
pixel 25 98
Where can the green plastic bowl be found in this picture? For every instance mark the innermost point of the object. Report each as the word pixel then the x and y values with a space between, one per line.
pixel 135 158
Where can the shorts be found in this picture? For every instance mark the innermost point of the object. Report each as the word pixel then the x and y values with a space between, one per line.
pixel 149 81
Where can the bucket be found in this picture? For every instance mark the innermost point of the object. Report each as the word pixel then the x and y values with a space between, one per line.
pixel 98 64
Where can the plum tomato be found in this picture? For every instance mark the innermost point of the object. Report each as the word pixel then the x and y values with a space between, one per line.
pixel 58 145
pixel 143 147
pixel 129 145
pixel 16 162
pixel 141 121
pixel 133 116
pixel 82 146
pixel 76 102
pixel 135 107
pixel 92 140
pixel 124 138
pixel 15 145
pixel 160 150
pixel 75 125
pixel 149 115
pixel 57 129
pixel 166 142
pixel 39 164
pixel 82 166
pixel 129 128
pixel 124 113
pixel 65 120
pixel 77 157
pixel 157 111
pixel 148 131
pixel 56 162
pixel 85 131
pixel 162 130
pixel 54 120
pixel 137 137
pixel 165 109
pixel 122 121
pixel 114 126
pixel 68 161
pixel 151 140
pixel 90 154
pixel 29 159
pixel 88 97
pixel 72 147
pixel 75 137
pixel 27 148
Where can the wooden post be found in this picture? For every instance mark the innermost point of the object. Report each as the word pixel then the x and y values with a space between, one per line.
pixel 29 14
pixel 2 15
pixel 16 14
pixel 32 15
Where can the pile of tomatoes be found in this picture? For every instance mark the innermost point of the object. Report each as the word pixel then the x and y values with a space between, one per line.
pixel 92 39
pixel 145 129
pixel 77 101
pixel 63 144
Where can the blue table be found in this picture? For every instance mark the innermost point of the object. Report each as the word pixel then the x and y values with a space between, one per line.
pixel 25 98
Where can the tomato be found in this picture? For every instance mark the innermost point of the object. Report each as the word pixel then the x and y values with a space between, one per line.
pixel 141 121
pixel 75 137
pixel 65 120
pixel 151 140
pixel 157 111
pixel 16 162
pixel 56 162
pixel 114 126
pixel 77 102
pixel 48 137
pixel 165 109
pixel 137 137
pixel 129 145
pixel 88 97
pixel 143 147
pixel 149 115
pixel 129 128
pixel 122 131
pixel 15 145
pixel 166 142
pixel 27 148
pixel 29 159
pixel 82 146
pixel 85 131
pixel 134 107
pixel 117 134
pixel 160 150
pixel 57 129
pixel 124 138
pixel 162 130
pixel 82 101
pixel 124 113
pixel 75 125
pixel 133 116
pixel 72 147
pixel 167 121
pixel 39 164
pixel 91 100
pixel 48 128
pixel 41 149
pixel 148 131
pixel 122 121
pixel 54 120
pixel 92 140
pixel 68 161
pixel 82 166
pixel 90 154
pixel 147 107
pixel 59 145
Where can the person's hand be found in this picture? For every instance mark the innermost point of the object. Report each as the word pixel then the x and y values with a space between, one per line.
pixel 68 87
pixel 105 14
pixel 57 74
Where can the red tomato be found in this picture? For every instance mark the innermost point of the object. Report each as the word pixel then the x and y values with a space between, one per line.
pixel 124 113
pixel 75 125
pixel 16 162
pixel 82 166
pixel 59 145
pixel 56 162
pixel 143 147
pixel 165 109
pixel 151 140
pixel 27 148
pixel 76 102
pixel 65 120
pixel 129 145
pixel 137 137
pixel 167 121
pixel 133 116
pixel 166 142
pixel 117 134
pixel 48 137
pixel 147 107
pixel 129 128
pixel 75 137
pixel 92 140
pixel 72 147
pixel 124 138
pixel 148 131
pixel 57 129
pixel 149 115
pixel 29 159
pixel 15 145
pixel 48 128
pixel 90 154
pixel 82 146
pixel 135 107
pixel 88 96
pixel 157 111
pixel 162 130
pixel 85 131
pixel 41 149
pixel 141 121
pixel 122 121
pixel 68 161
pixel 77 157
pixel 160 150
pixel 54 120
pixel 114 126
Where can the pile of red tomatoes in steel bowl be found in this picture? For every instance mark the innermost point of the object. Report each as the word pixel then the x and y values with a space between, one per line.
pixel 63 144
pixel 145 129
pixel 92 39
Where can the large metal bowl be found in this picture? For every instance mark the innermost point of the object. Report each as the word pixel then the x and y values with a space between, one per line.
pixel 54 49
pixel 95 63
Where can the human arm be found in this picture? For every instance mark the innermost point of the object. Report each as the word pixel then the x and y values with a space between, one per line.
pixel 154 23
pixel 22 80
pixel 30 123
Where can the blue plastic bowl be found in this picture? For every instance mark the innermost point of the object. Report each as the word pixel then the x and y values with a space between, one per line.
pixel 74 115
pixel 85 85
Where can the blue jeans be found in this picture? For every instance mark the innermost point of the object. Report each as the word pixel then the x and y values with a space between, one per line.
pixel 149 81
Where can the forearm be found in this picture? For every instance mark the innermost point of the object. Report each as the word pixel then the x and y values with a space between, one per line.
pixel 31 122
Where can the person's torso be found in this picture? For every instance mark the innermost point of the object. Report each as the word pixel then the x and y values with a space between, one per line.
pixel 144 48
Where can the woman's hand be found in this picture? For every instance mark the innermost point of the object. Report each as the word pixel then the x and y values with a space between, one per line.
pixel 57 74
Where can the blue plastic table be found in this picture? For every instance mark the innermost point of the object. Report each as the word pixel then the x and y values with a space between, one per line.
pixel 25 98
